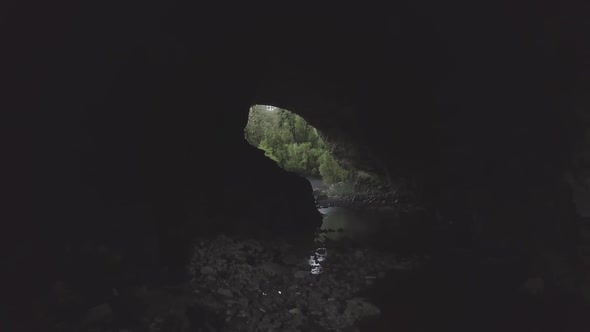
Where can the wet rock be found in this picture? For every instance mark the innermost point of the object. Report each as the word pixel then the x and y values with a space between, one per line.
pixel 243 302
pixel 358 308
pixel 272 282
pixel 273 268
pixel 291 260
pixel 207 270
pixel 225 292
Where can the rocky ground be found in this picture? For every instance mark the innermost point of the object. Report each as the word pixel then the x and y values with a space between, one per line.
pixel 272 287
pixel 363 200
pixel 324 199
pixel 277 284
pixel 266 283
pixel 236 285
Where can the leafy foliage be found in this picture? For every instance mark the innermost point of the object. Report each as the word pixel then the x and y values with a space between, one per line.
pixel 330 171
pixel 295 145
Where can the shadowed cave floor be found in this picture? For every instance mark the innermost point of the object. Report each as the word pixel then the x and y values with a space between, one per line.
pixel 394 278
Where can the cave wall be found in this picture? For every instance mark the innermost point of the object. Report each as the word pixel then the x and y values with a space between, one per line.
pixel 147 106
pixel 474 110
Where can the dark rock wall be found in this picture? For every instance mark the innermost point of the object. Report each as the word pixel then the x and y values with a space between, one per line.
pixel 470 106
pixel 146 106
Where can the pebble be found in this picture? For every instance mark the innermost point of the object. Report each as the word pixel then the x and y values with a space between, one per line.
pixel 276 284
pixel 207 270
pixel 225 292
pixel 290 260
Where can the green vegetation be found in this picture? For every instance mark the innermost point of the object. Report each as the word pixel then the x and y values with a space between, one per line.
pixel 296 146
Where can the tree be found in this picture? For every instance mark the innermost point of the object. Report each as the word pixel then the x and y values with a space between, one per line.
pixel 295 145
pixel 330 170
pixel 268 150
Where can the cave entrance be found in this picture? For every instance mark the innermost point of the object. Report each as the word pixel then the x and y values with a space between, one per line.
pixel 294 145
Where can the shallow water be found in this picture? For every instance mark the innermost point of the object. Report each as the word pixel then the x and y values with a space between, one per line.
pixel 377 228
pixel 355 224
pixel 345 227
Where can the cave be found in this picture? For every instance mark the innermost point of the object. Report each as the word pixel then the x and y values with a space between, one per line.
pixel 128 146
pixel 298 147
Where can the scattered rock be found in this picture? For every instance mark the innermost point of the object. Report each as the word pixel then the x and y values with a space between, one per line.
pixel 207 270
pixel 271 287
pixel 290 260
pixel 225 292
pixel 243 302
pixel 358 308
pixel 273 268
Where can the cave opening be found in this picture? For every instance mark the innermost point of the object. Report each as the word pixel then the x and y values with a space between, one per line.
pixel 298 147
pixel 464 135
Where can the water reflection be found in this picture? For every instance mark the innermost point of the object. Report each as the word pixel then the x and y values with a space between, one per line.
pixel 366 226
pixel 360 225
pixel 316 259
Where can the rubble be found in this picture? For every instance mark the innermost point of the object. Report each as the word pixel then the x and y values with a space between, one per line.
pixel 236 285
pixel 266 287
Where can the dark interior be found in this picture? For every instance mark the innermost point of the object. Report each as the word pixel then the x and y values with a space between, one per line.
pixel 130 120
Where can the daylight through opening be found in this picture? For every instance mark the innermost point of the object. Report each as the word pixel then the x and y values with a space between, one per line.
pixel 298 147
pixel 294 145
